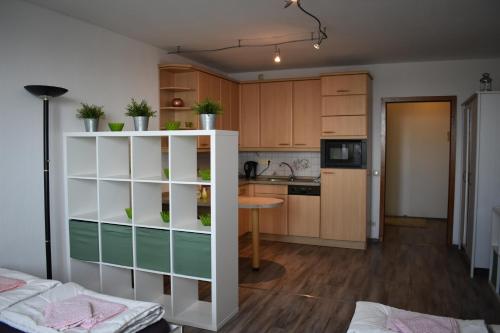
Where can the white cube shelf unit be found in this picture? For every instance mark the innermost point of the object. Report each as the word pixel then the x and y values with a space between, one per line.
pixel 143 257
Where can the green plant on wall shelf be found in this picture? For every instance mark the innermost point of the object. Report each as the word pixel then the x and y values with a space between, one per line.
pixel 141 112
pixel 207 106
pixel 208 110
pixel 90 114
pixel 139 109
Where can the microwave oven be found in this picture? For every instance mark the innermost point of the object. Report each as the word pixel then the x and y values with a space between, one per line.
pixel 343 153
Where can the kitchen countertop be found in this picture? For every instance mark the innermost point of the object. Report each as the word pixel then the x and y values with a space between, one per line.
pixel 266 180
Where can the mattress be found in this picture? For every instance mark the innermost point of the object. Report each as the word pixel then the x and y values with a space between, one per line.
pixel 371 318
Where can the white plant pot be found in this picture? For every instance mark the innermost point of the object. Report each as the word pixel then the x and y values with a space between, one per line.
pixel 207 121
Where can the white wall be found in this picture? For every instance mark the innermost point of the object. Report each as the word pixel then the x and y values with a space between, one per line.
pixel 38 46
pixel 417 159
pixel 459 78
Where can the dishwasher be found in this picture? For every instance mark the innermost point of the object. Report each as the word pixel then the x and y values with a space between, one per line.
pixel 304 210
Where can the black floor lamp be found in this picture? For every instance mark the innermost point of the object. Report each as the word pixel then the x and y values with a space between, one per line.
pixel 46 92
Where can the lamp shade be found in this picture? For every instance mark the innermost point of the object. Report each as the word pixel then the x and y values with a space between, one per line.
pixel 45 91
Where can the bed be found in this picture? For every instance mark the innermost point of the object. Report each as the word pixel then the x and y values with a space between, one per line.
pixel 22 309
pixel 372 317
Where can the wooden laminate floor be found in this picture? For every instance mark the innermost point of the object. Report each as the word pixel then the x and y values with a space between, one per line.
pixel 304 288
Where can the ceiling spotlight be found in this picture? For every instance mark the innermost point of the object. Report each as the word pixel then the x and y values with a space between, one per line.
pixel 289 2
pixel 277 58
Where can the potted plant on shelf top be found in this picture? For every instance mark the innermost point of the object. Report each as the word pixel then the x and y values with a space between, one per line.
pixel 90 114
pixel 140 111
pixel 208 111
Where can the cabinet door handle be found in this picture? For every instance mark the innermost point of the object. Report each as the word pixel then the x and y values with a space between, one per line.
pixel 329 132
pixel 343 90
pixel 283 144
pixel 329 172
pixel 299 144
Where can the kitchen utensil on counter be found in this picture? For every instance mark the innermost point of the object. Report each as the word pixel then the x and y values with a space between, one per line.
pixel 250 168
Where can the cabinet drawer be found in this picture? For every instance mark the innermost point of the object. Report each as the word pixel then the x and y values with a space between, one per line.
pixel 344 126
pixel 84 240
pixel 153 249
pixel 116 244
pixel 303 215
pixel 192 253
pixel 350 105
pixel 270 189
pixel 349 84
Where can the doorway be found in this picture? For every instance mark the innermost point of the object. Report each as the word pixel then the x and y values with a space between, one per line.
pixel 418 163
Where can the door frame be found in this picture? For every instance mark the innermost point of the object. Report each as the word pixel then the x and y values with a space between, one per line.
pixel 452 156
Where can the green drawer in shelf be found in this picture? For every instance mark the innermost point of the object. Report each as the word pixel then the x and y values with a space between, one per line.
pixel 116 244
pixel 192 254
pixel 84 240
pixel 152 248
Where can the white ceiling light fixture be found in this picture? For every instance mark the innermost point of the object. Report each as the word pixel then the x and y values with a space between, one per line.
pixel 277 57
pixel 317 38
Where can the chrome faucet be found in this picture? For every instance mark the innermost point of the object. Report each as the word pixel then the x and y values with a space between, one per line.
pixel 292 174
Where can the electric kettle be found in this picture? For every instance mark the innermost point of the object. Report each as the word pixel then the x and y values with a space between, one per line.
pixel 250 168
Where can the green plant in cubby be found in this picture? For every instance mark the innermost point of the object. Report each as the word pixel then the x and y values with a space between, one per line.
pixel 192 253
pixel 153 249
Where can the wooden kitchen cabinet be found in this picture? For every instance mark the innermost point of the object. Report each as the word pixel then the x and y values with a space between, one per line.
pixel 342 126
pixel 276 114
pixel 355 83
pixel 224 119
pixel 306 114
pixel 351 105
pixel 235 107
pixel 303 215
pixel 249 115
pixel 343 204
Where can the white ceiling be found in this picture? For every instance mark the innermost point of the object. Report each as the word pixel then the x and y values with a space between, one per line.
pixel 359 31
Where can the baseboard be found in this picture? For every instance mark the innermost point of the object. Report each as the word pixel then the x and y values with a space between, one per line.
pixel 315 241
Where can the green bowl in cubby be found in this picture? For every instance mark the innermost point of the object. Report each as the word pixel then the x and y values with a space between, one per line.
pixel 172 125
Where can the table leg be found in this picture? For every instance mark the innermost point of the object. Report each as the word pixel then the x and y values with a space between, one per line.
pixel 255 238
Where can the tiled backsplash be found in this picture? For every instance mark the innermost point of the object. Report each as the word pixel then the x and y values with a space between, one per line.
pixel 304 164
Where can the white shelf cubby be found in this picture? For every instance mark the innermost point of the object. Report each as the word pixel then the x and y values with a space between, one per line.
pixel 154 287
pixel 144 258
pixel 82 158
pixel 114 198
pixel 113 157
pixel 82 199
pixel 148 205
pixel 85 273
pixel 118 281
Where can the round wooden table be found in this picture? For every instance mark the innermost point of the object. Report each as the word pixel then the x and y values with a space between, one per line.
pixel 254 204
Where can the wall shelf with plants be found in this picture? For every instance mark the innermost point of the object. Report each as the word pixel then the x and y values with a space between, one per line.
pixel 134 225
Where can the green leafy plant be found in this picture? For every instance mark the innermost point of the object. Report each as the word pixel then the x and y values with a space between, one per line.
pixel 166 172
pixel 90 111
pixel 128 211
pixel 205 219
pixel 204 174
pixel 165 216
pixel 172 125
pixel 207 106
pixel 139 109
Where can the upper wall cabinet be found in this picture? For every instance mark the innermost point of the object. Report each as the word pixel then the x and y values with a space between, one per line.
pixel 306 120
pixel 276 114
pixel 345 99
pixel 249 115
pixel 345 84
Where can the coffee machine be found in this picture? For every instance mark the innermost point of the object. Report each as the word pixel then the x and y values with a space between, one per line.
pixel 250 168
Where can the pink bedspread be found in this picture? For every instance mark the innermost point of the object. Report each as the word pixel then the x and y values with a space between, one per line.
pixel 412 322
pixel 9 284
pixel 80 311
